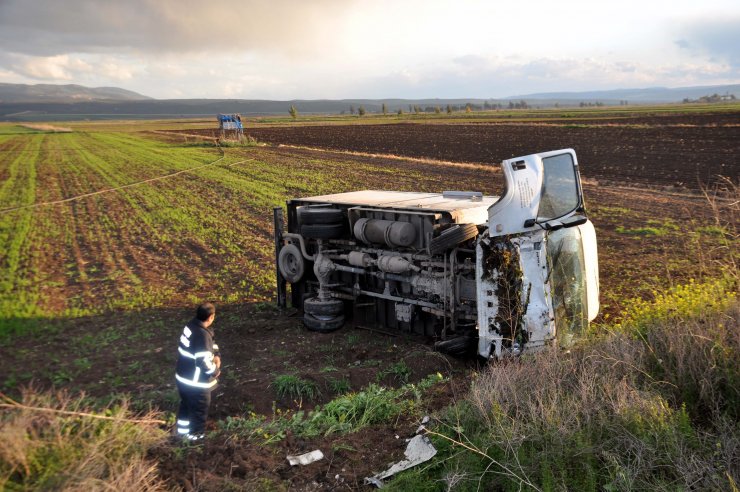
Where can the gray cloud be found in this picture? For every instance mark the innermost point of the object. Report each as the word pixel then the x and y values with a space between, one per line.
pixel 53 27
pixel 475 76
pixel 718 38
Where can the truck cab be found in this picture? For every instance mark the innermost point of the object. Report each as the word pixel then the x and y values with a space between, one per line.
pixel 492 275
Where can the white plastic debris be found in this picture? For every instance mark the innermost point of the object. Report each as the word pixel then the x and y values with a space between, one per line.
pixel 306 459
pixel 418 450
pixel 424 422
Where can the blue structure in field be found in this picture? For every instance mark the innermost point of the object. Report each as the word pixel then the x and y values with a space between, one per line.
pixel 230 123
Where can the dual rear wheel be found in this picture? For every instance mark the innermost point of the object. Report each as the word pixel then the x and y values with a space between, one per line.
pixel 323 316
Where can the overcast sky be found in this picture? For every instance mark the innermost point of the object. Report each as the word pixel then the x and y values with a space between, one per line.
pixel 333 49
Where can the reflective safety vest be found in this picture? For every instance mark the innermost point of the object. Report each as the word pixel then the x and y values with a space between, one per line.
pixel 195 365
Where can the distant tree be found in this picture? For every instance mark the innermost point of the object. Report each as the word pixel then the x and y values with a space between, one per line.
pixel 511 104
pixel 437 109
pixel 293 111
pixel 468 108
pixel 385 109
pixel 417 109
pixel 361 110
pixel 351 109
pixel 400 112
pixel 449 109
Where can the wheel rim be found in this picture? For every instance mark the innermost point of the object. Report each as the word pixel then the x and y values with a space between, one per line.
pixel 291 264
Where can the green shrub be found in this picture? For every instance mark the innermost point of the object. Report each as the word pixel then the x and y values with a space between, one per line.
pixel 692 300
pixel 339 386
pixel 294 387
pixel 400 372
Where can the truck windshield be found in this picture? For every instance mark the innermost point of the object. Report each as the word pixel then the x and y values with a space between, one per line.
pixel 567 283
pixel 559 188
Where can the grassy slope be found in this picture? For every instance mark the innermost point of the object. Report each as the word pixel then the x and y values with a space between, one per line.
pixel 654 405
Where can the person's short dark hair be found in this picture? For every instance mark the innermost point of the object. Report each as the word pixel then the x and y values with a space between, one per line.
pixel 205 311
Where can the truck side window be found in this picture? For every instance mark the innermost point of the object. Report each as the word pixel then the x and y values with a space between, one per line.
pixel 559 188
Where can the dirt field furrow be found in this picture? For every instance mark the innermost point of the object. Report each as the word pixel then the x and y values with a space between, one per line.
pixel 642 152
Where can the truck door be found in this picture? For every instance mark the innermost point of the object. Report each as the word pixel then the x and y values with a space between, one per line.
pixel 514 265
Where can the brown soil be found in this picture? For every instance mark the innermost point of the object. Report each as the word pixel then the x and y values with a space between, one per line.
pixel 678 150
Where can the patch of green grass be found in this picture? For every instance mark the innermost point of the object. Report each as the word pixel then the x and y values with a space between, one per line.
pixel 642 231
pixel 653 228
pixel 347 413
pixel 61 377
pixel 399 371
pixel 713 230
pixel 339 386
pixel 666 224
pixel 10 383
pixel 294 387
pixel 691 300
pixel 615 211
pixel 82 363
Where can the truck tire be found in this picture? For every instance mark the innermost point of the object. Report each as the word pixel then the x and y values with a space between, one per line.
pixel 320 216
pixel 319 308
pixel 323 325
pixel 322 231
pixel 461 346
pixel 452 237
pixel 291 263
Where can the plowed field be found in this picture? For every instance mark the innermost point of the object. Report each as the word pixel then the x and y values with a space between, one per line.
pixel 682 150
pixel 657 156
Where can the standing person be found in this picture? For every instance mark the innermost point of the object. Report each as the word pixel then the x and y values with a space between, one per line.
pixel 198 367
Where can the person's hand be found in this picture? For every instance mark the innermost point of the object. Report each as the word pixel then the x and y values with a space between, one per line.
pixel 217 361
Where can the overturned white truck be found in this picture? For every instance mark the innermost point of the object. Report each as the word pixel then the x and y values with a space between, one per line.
pixel 492 275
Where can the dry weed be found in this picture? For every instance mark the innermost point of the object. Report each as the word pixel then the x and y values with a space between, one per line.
pixel 44 450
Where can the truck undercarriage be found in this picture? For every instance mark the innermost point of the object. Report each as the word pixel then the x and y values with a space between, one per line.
pixel 468 270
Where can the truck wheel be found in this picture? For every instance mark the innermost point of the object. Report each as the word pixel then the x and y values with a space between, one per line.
pixel 452 237
pixel 461 346
pixel 323 325
pixel 322 231
pixel 291 263
pixel 318 308
pixel 320 216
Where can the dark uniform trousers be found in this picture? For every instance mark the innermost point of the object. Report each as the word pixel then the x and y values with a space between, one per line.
pixel 193 412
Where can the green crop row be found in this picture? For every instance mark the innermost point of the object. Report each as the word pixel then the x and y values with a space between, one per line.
pixel 204 230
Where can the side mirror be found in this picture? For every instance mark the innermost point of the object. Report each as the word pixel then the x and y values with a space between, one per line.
pixel 574 220
pixel 553 225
